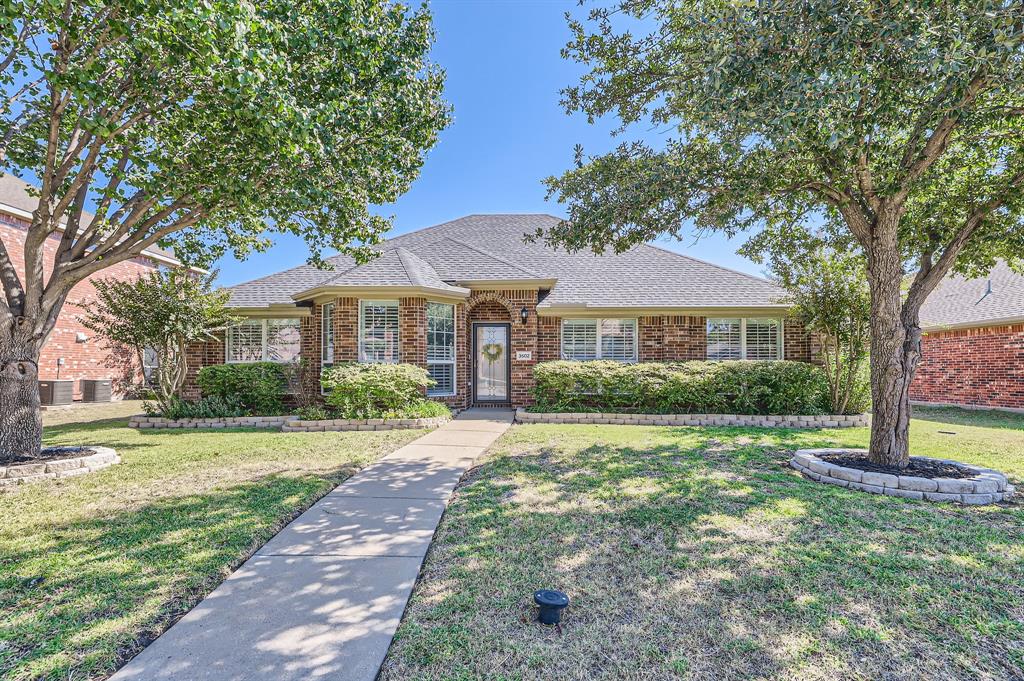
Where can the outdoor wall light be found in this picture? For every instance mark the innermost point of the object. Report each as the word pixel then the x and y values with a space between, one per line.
pixel 551 604
pixel 524 314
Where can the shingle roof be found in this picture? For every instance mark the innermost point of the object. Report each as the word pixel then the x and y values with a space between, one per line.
pixel 492 247
pixel 17 193
pixel 394 267
pixel 957 301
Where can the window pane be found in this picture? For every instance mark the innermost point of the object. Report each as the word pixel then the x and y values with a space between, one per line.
pixel 618 339
pixel 762 339
pixel 378 322
pixel 284 340
pixel 245 342
pixel 444 374
pixel 327 334
pixel 579 339
pixel 440 332
pixel 724 339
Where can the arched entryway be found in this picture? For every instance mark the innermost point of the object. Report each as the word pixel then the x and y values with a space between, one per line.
pixel 490 322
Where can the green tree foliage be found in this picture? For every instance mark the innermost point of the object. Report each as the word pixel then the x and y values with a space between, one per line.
pixel 829 292
pixel 898 124
pixel 166 311
pixel 202 127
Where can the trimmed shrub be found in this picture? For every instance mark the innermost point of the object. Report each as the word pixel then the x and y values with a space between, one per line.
pixel 260 387
pixel 361 391
pixel 735 387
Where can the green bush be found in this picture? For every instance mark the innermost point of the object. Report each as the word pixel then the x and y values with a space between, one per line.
pixel 260 387
pixel 213 407
pixel 681 387
pixel 360 391
pixel 313 412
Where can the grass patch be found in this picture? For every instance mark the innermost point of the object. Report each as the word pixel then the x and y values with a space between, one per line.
pixel 92 568
pixel 696 553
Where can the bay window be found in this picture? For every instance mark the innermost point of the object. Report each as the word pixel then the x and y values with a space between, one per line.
pixel 741 338
pixel 585 339
pixel 378 331
pixel 441 347
pixel 264 340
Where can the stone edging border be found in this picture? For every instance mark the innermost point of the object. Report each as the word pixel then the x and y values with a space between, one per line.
pixel 822 421
pixel 19 473
pixel 287 424
pixel 986 486
pixel 299 426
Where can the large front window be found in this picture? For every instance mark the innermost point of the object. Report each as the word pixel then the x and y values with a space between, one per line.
pixel 378 331
pixel 613 339
pixel 264 340
pixel 739 338
pixel 441 347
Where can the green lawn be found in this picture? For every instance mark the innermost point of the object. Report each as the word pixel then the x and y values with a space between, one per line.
pixel 695 553
pixel 94 567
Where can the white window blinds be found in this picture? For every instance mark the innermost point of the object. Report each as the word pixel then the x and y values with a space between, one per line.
pixel 264 340
pixel 378 331
pixel 613 339
pixel 441 347
pixel 762 338
pixel 754 339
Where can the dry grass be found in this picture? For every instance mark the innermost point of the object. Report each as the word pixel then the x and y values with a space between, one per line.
pixel 94 567
pixel 694 553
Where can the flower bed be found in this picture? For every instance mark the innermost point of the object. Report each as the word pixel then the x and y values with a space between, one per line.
pixel 980 486
pixel 92 458
pixel 288 424
pixel 748 420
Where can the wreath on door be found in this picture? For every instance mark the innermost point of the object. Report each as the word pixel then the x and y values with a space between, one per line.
pixel 492 352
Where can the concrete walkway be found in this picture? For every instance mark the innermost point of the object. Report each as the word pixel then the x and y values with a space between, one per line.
pixel 323 598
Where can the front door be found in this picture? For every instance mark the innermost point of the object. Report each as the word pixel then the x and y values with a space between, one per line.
pixel 490 362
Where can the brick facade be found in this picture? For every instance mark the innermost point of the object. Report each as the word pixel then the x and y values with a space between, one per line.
pixel 981 367
pixel 85 355
pixel 660 338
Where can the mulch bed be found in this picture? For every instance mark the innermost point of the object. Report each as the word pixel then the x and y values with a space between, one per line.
pixel 920 468
pixel 49 454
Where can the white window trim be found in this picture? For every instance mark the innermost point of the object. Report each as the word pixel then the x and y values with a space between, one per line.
pixel 597 321
pixel 743 339
pixel 323 334
pixel 362 329
pixel 455 352
pixel 264 326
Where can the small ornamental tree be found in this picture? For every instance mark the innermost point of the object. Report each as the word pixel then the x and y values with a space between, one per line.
pixel 196 126
pixel 898 123
pixel 165 311
pixel 828 288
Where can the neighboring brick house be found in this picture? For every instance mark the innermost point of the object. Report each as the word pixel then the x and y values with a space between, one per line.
pixel 972 352
pixel 71 351
pixel 479 306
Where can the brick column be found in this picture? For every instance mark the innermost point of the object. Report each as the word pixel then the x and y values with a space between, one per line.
pixel 412 331
pixel 346 330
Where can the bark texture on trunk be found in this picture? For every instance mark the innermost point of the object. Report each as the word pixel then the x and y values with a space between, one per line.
pixel 21 425
pixel 895 353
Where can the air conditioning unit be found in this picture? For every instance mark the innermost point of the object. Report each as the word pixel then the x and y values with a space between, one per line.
pixel 56 392
pixel 96 389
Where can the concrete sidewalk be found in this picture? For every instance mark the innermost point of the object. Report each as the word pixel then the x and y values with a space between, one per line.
pixel 323 598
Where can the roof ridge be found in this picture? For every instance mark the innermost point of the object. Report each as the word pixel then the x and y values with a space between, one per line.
pixel 496 257
pixel 763 280
pixel 413 277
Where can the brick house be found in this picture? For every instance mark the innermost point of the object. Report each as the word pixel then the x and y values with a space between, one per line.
pixel 972 353
pixel 478 306
pixel 71 351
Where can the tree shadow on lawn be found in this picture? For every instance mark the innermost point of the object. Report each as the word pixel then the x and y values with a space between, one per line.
pixel 81 597
pixel 709 559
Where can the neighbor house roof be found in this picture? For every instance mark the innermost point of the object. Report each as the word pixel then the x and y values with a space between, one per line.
pixel 958 302
pixel 477 249
pixel 17 198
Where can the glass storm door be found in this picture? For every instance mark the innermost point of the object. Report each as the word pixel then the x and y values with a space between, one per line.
pixel 491 361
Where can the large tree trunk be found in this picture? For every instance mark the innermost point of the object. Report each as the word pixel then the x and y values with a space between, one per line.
pixel 895 352
pixel 21 426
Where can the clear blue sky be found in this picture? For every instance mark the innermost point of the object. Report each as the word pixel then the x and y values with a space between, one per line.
pixel 509 131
